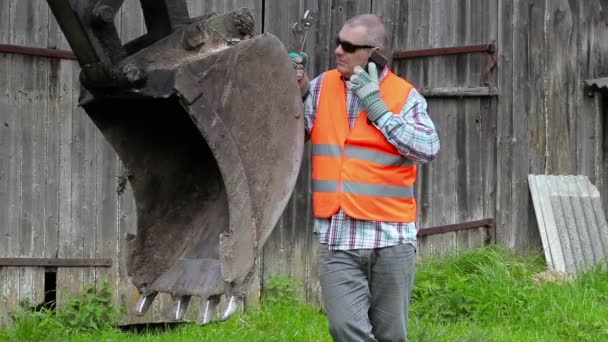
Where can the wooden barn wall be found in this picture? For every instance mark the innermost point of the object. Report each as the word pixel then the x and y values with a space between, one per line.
pixel 60 182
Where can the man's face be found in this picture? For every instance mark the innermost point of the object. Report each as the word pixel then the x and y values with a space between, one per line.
pixel 347 61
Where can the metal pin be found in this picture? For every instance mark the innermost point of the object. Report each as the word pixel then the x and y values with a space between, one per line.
pixel 231 306
pixel 207 311
pixel 144 302
pixel 180 307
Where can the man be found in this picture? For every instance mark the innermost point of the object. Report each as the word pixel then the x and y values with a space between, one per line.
pixel 368 130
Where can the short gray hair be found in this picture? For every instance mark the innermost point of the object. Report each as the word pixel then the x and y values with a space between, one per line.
pixel 374 26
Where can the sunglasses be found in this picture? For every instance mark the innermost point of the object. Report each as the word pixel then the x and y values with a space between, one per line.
pixel 349 47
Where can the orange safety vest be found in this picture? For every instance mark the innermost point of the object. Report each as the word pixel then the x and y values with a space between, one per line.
pixel 358 170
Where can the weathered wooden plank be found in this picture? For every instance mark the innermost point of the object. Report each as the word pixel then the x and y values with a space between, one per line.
pixel 470 162
pixel 66 103
pixel 417 30
pixel 57 146
pixel 473 33
pixel 489 108
pixel 5 156
pixel 107 216
pixel 603 183
pixel 79 188
pixel 320 45
pixel 35 86
pixel 505 158
pixel 90 204
pixel 445 71
pixel 441 112
pixel 536 69
pixel 589 15
pixel 123 294
pixel 71 280
pixel 524 238
pixel 558 59
pixel 27 146
pixel 469 183
pixel 538 80
pixel 41 106
pixel 27 135
pixel 11 286
pixel 57 69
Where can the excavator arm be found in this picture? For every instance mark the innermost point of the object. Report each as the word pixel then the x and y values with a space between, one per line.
pixel 207 118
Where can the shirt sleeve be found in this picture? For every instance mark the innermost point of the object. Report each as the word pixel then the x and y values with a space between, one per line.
pixel 311 102
pixel 412 132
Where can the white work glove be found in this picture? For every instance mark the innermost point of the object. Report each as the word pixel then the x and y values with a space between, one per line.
pixel 366 88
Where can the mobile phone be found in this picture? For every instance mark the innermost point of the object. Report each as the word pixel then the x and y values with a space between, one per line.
pixel 380 62
pixel 378 59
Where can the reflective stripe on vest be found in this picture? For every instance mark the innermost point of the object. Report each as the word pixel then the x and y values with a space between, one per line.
pixel 358 170
pixel 326 150
pixel 364 189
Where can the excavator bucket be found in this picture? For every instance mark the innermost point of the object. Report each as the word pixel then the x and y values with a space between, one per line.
pixel 207 119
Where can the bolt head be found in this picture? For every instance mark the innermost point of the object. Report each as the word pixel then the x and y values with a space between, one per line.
pixel 104 14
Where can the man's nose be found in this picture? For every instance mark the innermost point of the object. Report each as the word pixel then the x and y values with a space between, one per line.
pixel 339 51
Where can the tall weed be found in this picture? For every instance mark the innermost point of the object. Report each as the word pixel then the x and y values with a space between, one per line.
pixel 91 311
pixel 282 290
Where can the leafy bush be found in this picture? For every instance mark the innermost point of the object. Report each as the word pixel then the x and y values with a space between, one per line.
pixel 282 290
pixel 91 311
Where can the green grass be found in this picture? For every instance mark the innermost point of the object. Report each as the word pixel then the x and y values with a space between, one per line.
pixel 481 295
pixel 269 323
pixel 489 295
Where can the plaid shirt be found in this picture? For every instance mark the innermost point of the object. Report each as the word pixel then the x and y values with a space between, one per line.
pixel 413 134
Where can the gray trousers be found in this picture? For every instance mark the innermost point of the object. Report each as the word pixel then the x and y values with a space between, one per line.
pixel 366 292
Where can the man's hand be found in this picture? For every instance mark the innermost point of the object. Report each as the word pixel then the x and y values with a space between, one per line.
pixel 366 88
pixel 298 62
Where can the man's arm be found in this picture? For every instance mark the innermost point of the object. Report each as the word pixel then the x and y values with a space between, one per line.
pixel 412 132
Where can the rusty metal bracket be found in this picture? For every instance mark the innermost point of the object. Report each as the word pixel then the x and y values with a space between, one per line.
pixel 488 49
pixel 453 50
pixel 32 51
pixel 56 262
pixel 489 226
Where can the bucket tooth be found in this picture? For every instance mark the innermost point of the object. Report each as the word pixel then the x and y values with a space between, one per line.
pixel 144 302
pixel 231 306
pixel 180 307
pixel 208 307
